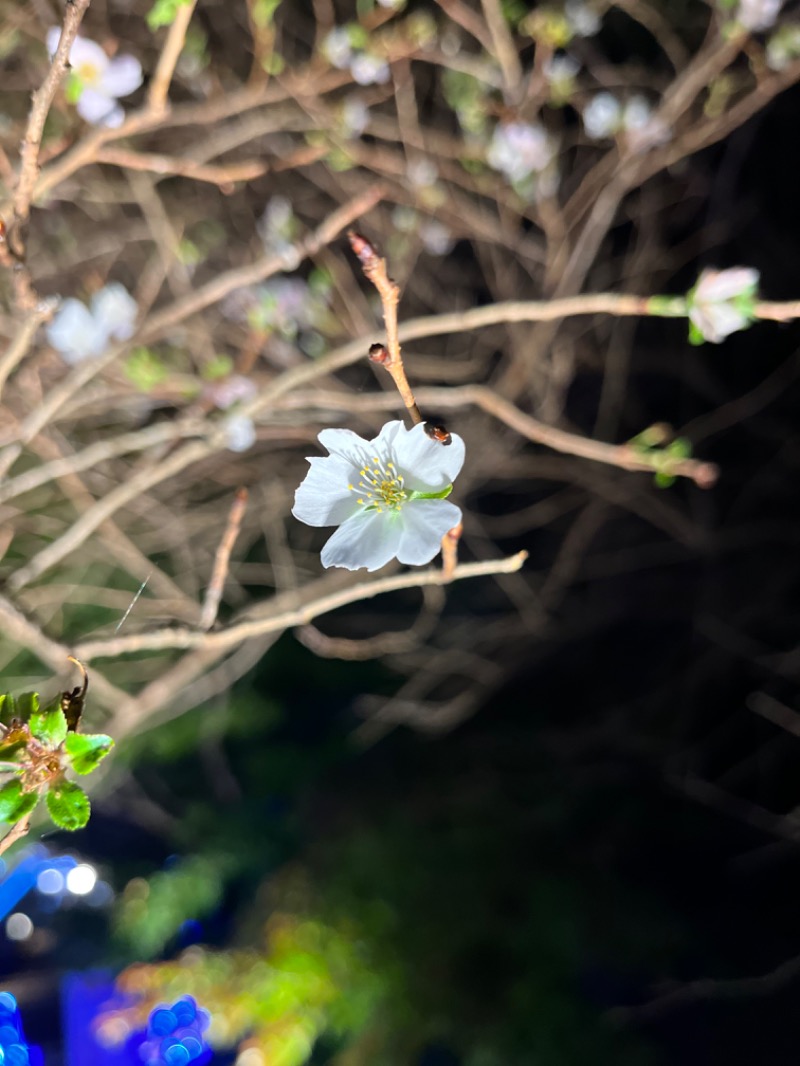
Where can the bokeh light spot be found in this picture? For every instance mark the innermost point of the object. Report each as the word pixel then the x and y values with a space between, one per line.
pixel 18 926
pixel 81 879
pixel 50 882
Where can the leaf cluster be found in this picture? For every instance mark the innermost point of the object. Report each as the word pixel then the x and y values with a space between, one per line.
pixel 38 745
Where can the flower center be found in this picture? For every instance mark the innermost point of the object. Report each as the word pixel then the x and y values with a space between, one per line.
pixel 88 74
pixel 381 487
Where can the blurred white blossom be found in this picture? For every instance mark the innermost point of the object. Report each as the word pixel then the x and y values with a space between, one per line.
pixel 519 149
pixel 602 116
pixel 225 392
pixel 97 82
pixel 405 219
pixel 282 305
pixel 355 116
pixel 240 433
pixel 605 116
pixel 583 20
pixel 337 48
pixel 560 72
pixel 721 303
pixel 387 496
pixel 344 47
pixel 277 227
pixel 436 238
pixel 422 173
pixel 369 70
pixel 79 332
pixel 757 15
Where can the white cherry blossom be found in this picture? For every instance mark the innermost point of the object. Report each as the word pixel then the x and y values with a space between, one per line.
pixel 757 15
pixel 722 303
pixel 386 495
pixel 520 149
pixel 79 332
pixel 100 81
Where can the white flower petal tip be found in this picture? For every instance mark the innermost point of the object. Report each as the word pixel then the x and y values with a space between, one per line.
pixel 386 495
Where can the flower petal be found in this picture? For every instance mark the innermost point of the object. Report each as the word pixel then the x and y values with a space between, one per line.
pixel 86 53
pixel 426 464
pixel 52 39
pixel 369 539
pixel 347 445
pixel 425 522
pixel 323 499
pixel 717 285
pixel 115 308
pixel 240 433
pixel 74 332
pixel 122 76
pixel 98 109
pixel 718 321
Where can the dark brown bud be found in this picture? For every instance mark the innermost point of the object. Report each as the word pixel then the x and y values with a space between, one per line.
pixel 367 254
pixel 379 353
pixel 436 431
pixel 72 703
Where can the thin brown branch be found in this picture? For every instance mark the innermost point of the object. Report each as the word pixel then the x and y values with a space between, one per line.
pixel 450 551
pixel 170 53
pixel 21 343
pixel 88 522
pixel 774 711
pixel 17 832
pixel 389 355
pixel 221 174
pixel 204 113
pixel 24 633
pixel 622 456
pixel 222 560
pixel 293 616
pixel 214 291
pixel 390 643
pixel 40 107
pixel 100 452
pixel 705 988
pixel 503 46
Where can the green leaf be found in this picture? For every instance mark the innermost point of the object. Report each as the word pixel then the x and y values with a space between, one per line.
pixel 144 369
pixel 68 805
pixel 164 12
pixel 27 705
pixel 218 367
pixel 8 708
pixel 14 803
pixel 73 89
pixel 681 448
pixel 696 337
pixel 49 725
pixel 442 494
pixel 274 64
pixel 263 12
pixel 357 35
pixel 86 750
